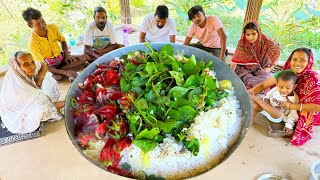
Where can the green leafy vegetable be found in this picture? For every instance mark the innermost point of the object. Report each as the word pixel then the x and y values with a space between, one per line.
pixel 167 49
pixel 193 146
pixel 145 145
pixel 146 134
pixel 168 94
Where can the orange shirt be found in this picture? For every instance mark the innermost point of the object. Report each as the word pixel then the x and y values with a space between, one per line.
pixel 41 47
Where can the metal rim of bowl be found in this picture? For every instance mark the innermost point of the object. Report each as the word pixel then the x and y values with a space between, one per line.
pixel 269 175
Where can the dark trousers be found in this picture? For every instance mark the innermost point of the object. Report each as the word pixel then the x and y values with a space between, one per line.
pixel 214 51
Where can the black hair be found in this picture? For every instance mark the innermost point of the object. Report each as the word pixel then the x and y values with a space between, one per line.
pixel 99 9
pixel 250 26
pixel 306 50
pixel 287 76
pixel 162 12
pixel 194 10
pixel 31 14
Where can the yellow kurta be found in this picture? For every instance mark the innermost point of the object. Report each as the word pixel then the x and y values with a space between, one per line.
pixel 41 47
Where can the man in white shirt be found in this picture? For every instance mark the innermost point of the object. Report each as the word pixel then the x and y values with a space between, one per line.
pixel 100 35
pixel 158 27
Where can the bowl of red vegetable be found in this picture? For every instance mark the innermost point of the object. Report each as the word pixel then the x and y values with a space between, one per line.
pixel 99 115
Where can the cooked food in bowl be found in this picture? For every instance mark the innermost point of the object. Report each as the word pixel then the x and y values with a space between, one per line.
pixel 156 114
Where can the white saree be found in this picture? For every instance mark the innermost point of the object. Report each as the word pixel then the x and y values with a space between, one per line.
pixel 23 105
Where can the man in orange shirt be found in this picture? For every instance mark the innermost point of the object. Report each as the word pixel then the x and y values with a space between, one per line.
pixel 44 46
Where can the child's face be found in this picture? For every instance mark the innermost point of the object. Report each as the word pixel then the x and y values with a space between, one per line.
pixel 285 87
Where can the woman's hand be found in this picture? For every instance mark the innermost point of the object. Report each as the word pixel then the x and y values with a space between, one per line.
pixel 268 69
pixel 39 81
pixel 250 92
pixel 255 98
pixel 233 66
pixel 289 132
pixel 41 74
pixel 286 105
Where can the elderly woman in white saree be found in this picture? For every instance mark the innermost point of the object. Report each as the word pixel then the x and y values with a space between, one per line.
pixel 28 94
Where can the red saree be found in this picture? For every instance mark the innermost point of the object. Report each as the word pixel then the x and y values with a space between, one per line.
pixel 263 52
pixel 251 59
pixel 308 90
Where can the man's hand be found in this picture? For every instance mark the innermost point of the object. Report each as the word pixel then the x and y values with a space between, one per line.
pixel 142 37
pixel 222 57
pixel 69 59
pixel 70 73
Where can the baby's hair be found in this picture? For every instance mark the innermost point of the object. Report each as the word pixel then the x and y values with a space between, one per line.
pixel 287 76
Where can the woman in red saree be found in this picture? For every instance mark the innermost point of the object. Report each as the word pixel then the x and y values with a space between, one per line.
pixel 255 55
pixel 301 62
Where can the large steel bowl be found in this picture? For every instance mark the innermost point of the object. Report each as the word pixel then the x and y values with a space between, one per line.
pixel 222 72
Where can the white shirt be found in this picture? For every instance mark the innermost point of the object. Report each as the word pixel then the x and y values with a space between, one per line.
pixel 155 34
pixel 98 39
pixel 289 116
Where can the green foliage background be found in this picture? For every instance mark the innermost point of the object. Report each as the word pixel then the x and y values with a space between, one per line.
pixel 292 23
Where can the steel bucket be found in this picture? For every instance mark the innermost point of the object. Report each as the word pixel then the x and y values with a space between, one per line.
pixel 222 72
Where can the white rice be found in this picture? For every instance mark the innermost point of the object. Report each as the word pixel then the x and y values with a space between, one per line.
pixel 217 130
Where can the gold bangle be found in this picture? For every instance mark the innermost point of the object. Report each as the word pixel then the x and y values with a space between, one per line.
pixel 289 106
pixel 300 107
pixel 251 91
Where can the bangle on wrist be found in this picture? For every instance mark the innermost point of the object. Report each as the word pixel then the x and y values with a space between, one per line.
pixel 300 107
